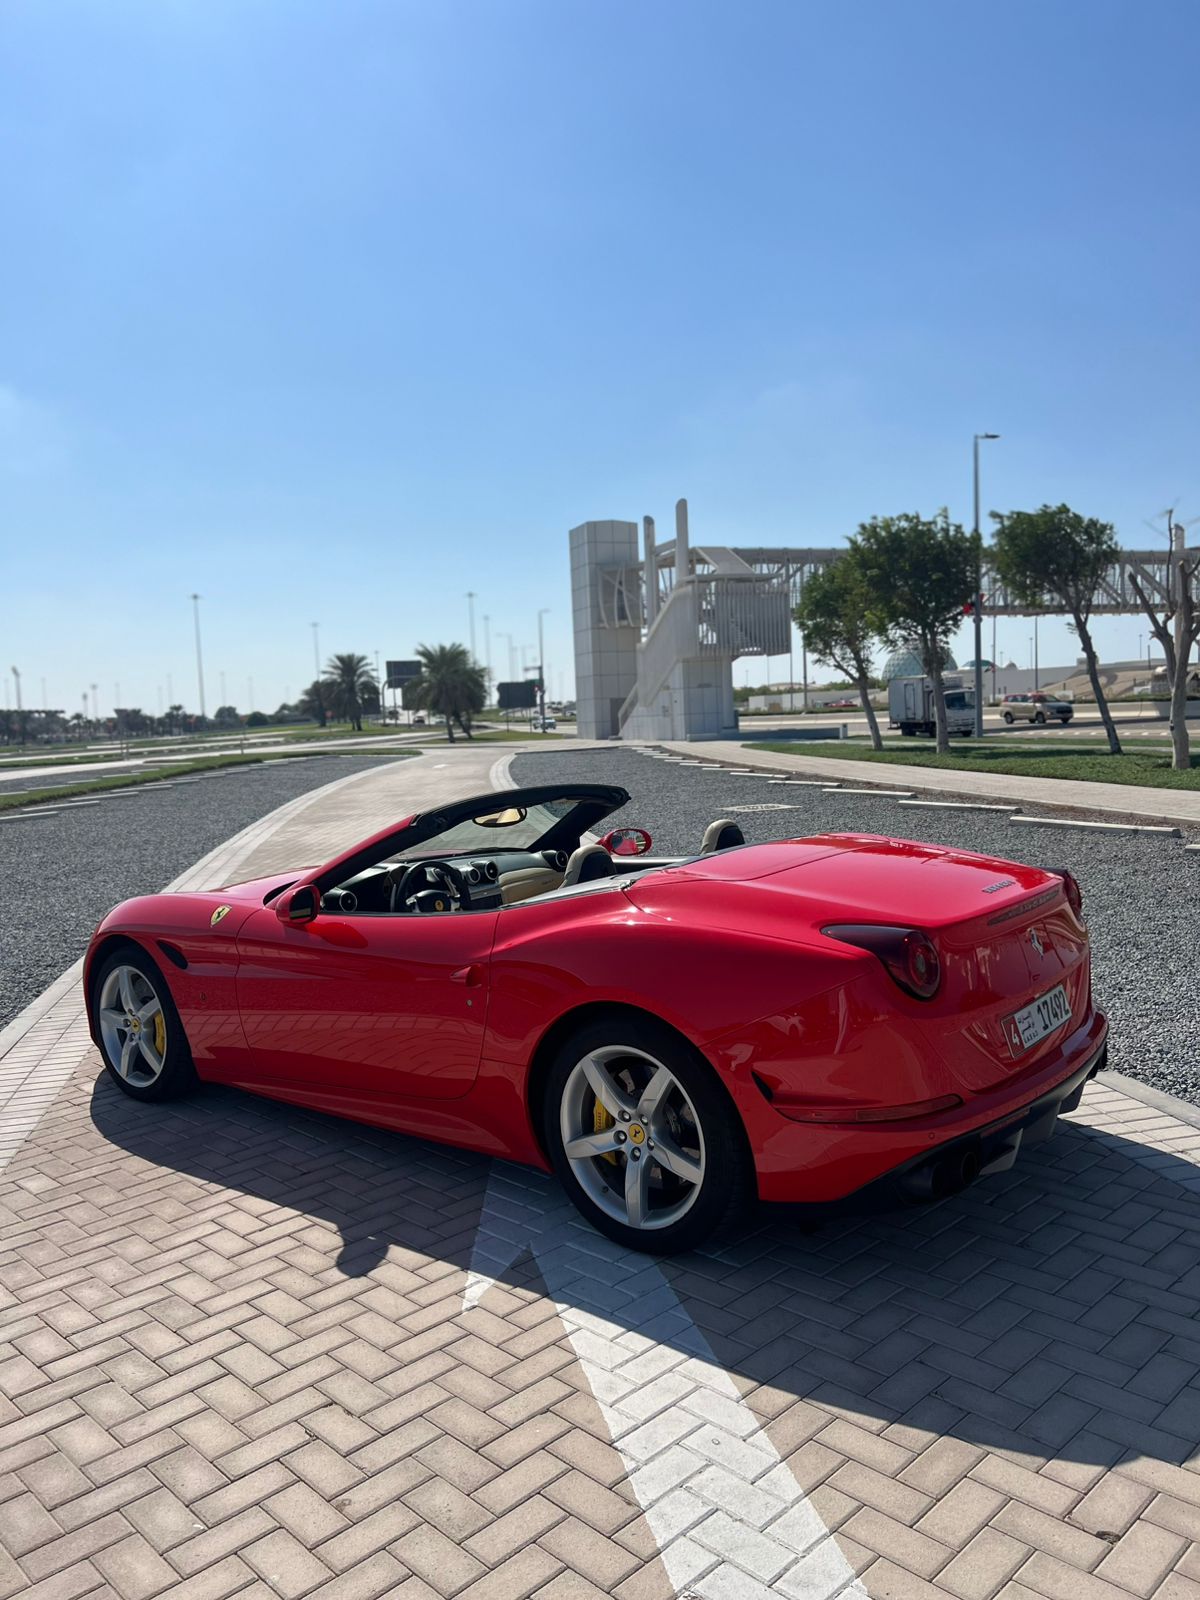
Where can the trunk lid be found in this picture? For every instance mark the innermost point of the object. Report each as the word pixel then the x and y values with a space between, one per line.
pixel 1005 934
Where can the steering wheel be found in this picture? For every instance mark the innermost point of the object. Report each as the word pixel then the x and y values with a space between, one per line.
pixel 437 875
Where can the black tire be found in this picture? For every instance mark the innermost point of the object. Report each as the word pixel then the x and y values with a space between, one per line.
pixel 1008 717
pixel 726 1195
pixel 178 1073
pixel 1040 717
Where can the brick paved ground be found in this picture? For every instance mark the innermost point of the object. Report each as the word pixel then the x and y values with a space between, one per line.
pixel 235 1359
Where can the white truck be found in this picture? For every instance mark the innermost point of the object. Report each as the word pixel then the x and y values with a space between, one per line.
pixel 910 705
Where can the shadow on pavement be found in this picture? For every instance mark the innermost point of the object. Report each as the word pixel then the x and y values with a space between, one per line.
pixel 1049 1313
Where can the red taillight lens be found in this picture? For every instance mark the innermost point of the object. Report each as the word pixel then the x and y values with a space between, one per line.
pixel 1073 892
pixel 909 955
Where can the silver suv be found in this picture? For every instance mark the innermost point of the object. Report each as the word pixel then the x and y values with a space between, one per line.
pixel 1035 707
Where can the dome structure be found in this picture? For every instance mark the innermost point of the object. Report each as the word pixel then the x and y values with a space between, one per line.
pixel 905 662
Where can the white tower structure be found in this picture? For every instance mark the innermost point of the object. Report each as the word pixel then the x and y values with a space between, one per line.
pixel 606 607
pixel 701 608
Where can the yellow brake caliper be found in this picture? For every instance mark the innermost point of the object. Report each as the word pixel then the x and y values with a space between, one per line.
pixel 600 1121
pixel 160 1035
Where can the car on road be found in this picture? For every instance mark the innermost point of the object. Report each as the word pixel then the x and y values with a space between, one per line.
pixel 804 1020
pixel 1035 707
pixel 542 724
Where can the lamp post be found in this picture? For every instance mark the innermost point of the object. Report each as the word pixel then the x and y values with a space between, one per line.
pixel 977 608
pixel 512 669
pixel 316 651
pixel 471 621
pixel 487 647
pixel 20 714
pixel 545 611
pixel 199 656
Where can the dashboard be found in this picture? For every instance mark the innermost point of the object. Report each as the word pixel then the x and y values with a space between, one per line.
pixel 438 884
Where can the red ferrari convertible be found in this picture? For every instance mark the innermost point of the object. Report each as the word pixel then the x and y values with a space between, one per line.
pixel 799 1020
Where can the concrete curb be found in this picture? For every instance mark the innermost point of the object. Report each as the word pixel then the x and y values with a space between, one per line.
pixel 1101 827
pixel 1120 801
pixel 1170 1105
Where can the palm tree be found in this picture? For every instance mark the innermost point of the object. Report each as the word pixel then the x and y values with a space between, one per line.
pixel 349 679
pixel 450 685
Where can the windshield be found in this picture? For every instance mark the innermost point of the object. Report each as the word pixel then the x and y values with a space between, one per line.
pixel 516 828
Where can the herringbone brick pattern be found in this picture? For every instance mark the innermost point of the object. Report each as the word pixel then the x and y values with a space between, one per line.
pixel 234 1361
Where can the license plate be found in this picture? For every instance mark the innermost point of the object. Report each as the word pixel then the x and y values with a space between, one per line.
pixel 1024 1028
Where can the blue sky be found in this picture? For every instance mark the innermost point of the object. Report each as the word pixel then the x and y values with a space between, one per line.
pixel 335 312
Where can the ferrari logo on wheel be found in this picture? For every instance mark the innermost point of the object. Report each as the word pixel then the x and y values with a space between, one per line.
pixel 637 1133
pixel 218 914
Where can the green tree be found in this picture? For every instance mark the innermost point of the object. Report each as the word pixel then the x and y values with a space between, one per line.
pixel 917 573
pixel 226 717
pixel 834 616
pixel 450 685
pixel 1056 552
pixel 315 702
pixel 348 678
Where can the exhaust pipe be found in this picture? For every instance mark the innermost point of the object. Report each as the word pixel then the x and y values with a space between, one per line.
pixel 949 1175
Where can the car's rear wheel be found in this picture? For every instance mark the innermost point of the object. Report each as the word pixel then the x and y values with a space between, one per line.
pixel 141 1037
pixel 1008 717
pixel 644 1139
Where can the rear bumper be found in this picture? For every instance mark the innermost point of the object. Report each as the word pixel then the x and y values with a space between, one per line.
pixel 986 1151
pixel 812 1165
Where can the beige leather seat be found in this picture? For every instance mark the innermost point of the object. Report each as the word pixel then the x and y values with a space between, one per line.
pixel 721 835
pixel 589 862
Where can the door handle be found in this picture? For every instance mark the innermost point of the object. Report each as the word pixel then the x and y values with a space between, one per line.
pixel 471 976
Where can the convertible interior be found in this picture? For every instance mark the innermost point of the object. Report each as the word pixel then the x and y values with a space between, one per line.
pixel 480 855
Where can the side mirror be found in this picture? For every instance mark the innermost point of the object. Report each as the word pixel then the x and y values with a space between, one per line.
pixel 300 904
pixel 627 842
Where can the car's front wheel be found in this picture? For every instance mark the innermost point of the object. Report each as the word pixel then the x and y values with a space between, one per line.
pixel 1008 717
pixel 644 1139
pixel 141 1037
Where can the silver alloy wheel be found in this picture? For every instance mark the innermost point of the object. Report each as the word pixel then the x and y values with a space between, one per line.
pixel 133 1026
pixel 632 1137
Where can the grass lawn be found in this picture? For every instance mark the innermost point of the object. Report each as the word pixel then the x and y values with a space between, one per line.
pixel 177 769
pixel 1091 764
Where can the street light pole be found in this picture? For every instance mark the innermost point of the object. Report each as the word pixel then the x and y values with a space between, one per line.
pixel 316 651
pixel 977 608
pixel 545 611
pixel 487 648
pixel 20 714
pixel 471 621
pixel 199 656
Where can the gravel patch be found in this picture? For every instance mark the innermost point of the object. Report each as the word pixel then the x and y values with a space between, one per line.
pixel 62 873
pixel 1140 891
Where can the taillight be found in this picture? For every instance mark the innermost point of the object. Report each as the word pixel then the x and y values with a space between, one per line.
pixel 1071 887
pixel 909 955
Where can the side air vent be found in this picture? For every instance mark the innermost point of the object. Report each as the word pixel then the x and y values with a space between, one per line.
pixel 173 954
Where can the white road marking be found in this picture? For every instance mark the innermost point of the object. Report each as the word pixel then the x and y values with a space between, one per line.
pixel 729 1517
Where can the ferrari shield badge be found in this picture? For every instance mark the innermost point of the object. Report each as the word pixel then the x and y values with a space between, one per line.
pixel 218 914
